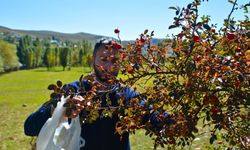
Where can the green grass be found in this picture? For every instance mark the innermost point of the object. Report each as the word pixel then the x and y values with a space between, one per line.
pixel 22 92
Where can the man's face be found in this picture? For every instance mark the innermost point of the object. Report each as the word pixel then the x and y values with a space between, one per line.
pixel 106 63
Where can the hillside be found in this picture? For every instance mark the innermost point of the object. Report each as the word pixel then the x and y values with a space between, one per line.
pixel 43 34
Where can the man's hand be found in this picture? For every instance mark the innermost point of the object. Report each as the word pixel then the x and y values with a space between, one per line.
pixel 73 107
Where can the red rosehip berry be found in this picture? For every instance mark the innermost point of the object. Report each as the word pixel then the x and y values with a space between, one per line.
pixel 214 100
pixel 142 40
pixel 133 127
pixel 101 68
pixel 138 48
pixel 238 49
pixel 161 116
pixel 122 56
pixel 208 50
pixel 180 35
pixel 214 110
pixel 237 83
pixel 117 46
pixel 198 58
pixel 130 69
pixel 196 39
pixel 117 31
pixel 230 36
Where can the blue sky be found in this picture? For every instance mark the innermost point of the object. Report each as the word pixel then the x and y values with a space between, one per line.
pixel 103 16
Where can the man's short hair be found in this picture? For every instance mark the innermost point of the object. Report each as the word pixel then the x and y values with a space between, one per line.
pixel 99 45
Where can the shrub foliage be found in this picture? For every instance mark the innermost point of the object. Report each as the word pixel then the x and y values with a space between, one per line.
pixel 201 77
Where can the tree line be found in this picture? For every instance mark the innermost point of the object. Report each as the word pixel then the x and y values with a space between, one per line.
pixel 29 53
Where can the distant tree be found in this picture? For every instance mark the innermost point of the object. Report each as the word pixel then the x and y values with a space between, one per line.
pixel 64 54
pixel 49 59
pixel 57 52
pixel 8 57
pixel 38 50
pixel 69 59
pixel 1 64
pixel 87 47
pixel 80 57
pixel 89 60
pixel 86 53
pixel 24 46
pixel 30 58
pixel 75 56
pixel 21 50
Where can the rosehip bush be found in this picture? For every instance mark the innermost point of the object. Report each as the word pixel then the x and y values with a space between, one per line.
pixel 201 74
pixel 201 77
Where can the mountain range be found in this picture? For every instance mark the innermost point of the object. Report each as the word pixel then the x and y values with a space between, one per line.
pixel 44 34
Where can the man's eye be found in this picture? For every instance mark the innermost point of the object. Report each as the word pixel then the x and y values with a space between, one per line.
pixel 104 58
pixel 114 60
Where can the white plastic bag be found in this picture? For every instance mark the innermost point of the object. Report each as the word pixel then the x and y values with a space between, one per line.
pixel 57 134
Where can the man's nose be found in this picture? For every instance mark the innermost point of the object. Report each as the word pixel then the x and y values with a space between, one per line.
pixel 112 68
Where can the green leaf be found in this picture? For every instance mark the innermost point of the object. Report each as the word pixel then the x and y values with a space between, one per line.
pixel 48 102
pixel 147 132
pixel 59 83
pixel 245 8
pixel 66 105
pixel 152 33
pixel 196 10
pixel 172 26
pixel 52 87
pixel 231 1
pixel 68 112
pixel 81 78
pixel 146 31
pixel 206 26
pixel 177 12
pixel 53 95
pixel 212 139
pixel 246 5
pixel 174 8
pixel 162 145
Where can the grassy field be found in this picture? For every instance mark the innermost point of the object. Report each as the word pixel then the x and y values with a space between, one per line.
pixel 22 92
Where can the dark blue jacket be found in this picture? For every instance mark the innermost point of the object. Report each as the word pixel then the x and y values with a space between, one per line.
pixel 99 135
